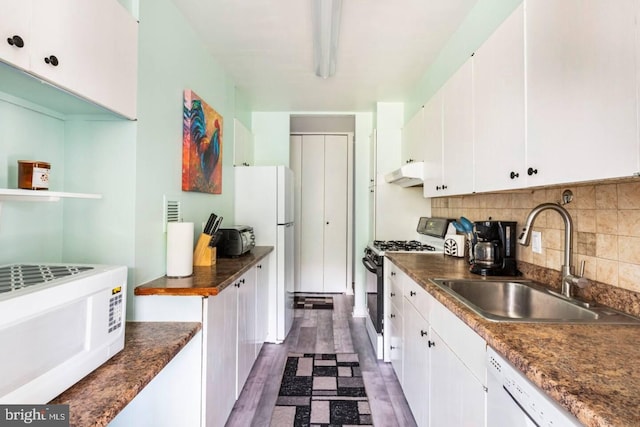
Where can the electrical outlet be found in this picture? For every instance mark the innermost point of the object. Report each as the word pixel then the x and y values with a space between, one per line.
pixel 536 242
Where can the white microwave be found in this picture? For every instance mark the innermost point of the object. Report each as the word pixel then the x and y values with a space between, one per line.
pixel 57 324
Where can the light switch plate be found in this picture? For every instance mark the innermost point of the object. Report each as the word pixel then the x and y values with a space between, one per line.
pixel 536 242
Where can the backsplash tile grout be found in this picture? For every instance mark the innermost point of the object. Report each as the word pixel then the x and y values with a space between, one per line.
pixel 606 217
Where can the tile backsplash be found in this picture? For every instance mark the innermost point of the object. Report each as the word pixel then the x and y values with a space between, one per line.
pixel 606 219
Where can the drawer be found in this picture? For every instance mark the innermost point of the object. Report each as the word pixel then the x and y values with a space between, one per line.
pixel 468 346
pixel 417 297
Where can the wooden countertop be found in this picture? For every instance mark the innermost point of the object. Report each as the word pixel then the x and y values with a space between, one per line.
pixel 149 346
pixel 206 281
pixel 591 370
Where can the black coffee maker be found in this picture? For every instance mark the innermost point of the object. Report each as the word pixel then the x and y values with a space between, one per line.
pixel 494 251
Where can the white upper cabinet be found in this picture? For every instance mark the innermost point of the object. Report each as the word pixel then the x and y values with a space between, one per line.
pixel 413 139
pixel 15 32
pixel 448 124
pixel 457 132
pixel 433 173
pixel 88 48
pixel 242 145
pixel 581 90
pixel 499 108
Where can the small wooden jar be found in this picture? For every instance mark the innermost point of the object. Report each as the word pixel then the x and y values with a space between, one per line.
pixel 33 175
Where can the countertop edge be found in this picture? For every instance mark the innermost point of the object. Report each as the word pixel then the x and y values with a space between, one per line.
pixel 205 281
pixel 535 373
pixel 100 396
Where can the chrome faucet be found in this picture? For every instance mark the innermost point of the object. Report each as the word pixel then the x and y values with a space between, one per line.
pixel 568 279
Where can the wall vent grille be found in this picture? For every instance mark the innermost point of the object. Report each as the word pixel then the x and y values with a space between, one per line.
pixel 172 212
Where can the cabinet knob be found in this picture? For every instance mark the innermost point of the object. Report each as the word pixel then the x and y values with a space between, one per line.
pixel 259 266
pixel 412 293
pixel 393 316
pixel 437 188
pixel 431 343
pixel 423 333
pixel 51 60
pixel 392 294
pixel 393 347
pixel 16 41
pixel 444 187
pixel 371 191
pixel 327 222
pixel 393 273
pixel 237 285
pixel 514 175
pixel 241 280
pixel 532 171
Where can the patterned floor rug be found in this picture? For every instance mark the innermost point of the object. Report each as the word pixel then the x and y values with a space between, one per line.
pixel 322 390
pixel 313 302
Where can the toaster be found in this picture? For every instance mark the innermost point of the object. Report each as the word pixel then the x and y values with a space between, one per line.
pixel 236 240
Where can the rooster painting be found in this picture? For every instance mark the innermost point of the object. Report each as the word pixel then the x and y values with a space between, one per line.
pixel 201 146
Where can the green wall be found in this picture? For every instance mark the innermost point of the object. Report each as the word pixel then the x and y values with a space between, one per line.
pixel 30 231
pixel 172 58
pixel 132 164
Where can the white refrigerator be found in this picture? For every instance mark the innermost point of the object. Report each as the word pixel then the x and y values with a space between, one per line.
pixel 264 201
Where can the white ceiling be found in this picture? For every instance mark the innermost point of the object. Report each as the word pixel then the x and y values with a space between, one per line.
pixel 265 46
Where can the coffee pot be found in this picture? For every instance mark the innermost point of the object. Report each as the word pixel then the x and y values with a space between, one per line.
pixel 494 252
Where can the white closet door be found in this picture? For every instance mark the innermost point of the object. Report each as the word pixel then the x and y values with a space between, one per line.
pixel 312 214
pixel 335 212
pixel 295 163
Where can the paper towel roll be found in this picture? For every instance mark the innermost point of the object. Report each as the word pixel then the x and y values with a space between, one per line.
pixel 179 249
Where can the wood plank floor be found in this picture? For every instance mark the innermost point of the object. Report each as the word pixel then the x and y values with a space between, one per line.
pixel 322 331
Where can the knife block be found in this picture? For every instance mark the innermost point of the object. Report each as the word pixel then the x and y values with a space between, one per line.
pixel 204 255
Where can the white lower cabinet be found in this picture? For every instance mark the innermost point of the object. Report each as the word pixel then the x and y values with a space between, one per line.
pixel 437 358
pixel 458 398
pixel 233 330
pixel 417 356
pixel 396 347
pixel 246 288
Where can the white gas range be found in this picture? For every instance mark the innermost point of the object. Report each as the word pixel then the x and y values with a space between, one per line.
pixel 430 234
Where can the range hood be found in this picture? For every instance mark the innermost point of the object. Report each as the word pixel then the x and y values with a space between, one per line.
pixel 409 175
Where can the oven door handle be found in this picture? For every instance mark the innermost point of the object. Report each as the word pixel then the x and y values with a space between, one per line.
pixel 369 266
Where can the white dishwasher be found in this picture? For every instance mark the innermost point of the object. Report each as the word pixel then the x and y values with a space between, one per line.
pixel 513 400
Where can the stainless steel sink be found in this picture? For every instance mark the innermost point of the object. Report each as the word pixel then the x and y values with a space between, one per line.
pixel 526 301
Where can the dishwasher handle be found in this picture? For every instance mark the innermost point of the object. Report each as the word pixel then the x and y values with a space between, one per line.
pixel 522 408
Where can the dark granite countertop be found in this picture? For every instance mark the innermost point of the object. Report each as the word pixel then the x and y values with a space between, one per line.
pixel 149 346
pixel 206 281
pixel 591 370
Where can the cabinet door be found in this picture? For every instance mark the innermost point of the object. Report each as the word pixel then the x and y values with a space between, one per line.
pixel 15 20
pixel 120 39
pixel 246 327
pixel 242 145
pixel 88 48
pixel 457 131
pixel 413 139
pixel 262 306
pixel 433 173
pixel 312 214
pixel 416 364
pixel 335 212
pixel 396 341
pixel 221 355
pixel 457 397
pixel 499 114
pixel 581 90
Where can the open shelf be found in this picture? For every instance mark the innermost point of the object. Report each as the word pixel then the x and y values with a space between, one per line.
pixel 18 195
